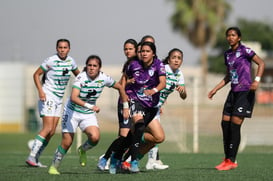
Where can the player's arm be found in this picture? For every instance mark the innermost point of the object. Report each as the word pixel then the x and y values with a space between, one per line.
pixel 159 87
pixel 124 99
pixel 76 72
pixel 260 71
pixel 220 85
pixel 38 84
pixel 76 99
pixel 162 83
pixel 182 91
pixel 124 80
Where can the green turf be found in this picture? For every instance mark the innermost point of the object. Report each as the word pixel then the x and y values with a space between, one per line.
pixel 255 163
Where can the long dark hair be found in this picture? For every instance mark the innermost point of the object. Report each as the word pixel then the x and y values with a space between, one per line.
pixel 151 45
pixel 144 38
pixel 165 60
pixel 236 29
pixel 63 40
pixel 133 42
pixel 92 57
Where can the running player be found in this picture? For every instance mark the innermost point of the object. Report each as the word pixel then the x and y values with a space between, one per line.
pixel 241 98
pixel 56 73
pixel 149 78
pixel 81 108
pixel 157 164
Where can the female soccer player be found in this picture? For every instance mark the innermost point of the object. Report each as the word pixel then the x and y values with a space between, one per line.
pixel 154 152
pixel 174 81
pixel 149 78
pixel 130 50
pixel 56 73
pixel 81 108
pixel 241 98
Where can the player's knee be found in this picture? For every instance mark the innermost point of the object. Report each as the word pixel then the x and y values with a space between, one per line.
pixel 66 145
pixel 94 138
pixel 95 141
pixel 159 138
pixel 52 132
pixel 48 132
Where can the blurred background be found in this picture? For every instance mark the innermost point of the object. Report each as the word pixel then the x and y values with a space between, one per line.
pixel 30 29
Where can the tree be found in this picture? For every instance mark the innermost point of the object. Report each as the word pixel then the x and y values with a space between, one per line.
pixel 199 21
pixel 251 31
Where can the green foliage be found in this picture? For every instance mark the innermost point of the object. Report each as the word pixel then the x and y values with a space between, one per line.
pixel 216 64
pixel 257 31
pixel 198 20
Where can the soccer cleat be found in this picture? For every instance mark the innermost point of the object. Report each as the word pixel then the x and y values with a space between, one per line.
pixel 160 167
pixel 134 166
pixel 107 165
pixel 221 164
pixel 149 164
pixel 125 165
pixel 156 165
pixel 31 161
pixel 41 165
pixel 228 165
pixel 113 165
pixel 83 157
pixel 159 162
pixel 53 170
pixel 102 163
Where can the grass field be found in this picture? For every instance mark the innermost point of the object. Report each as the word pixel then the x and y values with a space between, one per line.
pixel 255 163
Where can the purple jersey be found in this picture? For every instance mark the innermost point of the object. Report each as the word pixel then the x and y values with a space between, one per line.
pixel 145 78
pixel 239 67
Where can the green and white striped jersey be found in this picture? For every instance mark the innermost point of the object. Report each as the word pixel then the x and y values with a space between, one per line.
pixel 57 74
pixel 173 79
pixel 90 90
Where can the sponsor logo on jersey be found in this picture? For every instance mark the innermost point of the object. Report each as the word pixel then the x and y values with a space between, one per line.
pixel 248 50
pixel 240 109
pixel 126 121
pixel 238 54
pixel 151 72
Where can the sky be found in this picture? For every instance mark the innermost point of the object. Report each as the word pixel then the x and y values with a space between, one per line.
pixel 30 28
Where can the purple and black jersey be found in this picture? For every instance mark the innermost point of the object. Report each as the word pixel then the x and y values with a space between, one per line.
pixel 145 78
pixel 239 67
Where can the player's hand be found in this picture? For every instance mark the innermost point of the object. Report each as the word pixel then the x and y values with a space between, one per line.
pixel 96 109
pixel 182 91
pixel 211 93
pixel 42 96
pixel 130 81
pixel 161 110
pixel 254 86
pixel 149 92
pixel 126 113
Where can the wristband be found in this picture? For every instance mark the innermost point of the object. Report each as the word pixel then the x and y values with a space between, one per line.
pixel 257 79
pixel 89 106
pixel 155 89
pixel 125 105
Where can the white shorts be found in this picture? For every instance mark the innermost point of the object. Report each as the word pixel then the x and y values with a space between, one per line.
pixel 51 107
pixel 72 119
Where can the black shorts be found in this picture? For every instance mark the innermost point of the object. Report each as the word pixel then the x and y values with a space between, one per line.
pixel 123 123
pixel 148 113
pixel 239 104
